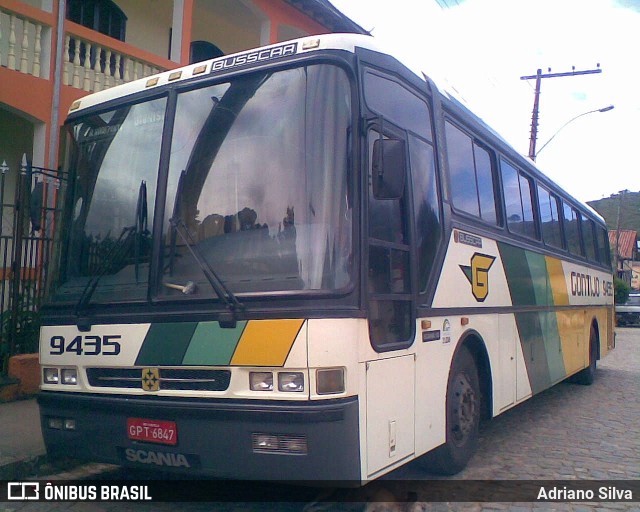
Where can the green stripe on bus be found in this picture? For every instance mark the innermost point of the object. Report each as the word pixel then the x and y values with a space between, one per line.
pixel 166 344
pixel 212 345
pixel 534 349
pixel 516 268
pixel 539 278
pixel 553 346
pixel 530 285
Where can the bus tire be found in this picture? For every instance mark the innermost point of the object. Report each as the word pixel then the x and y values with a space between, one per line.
pixel 587 376
pixel 463 418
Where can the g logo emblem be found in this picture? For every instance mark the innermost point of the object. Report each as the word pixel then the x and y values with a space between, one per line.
pixel 478 275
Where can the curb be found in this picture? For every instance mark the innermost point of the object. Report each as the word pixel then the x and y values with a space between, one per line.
pixel 22 468
pixel 36 467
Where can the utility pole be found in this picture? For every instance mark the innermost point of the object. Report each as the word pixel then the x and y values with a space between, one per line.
pixel 617 253
pixel 536 99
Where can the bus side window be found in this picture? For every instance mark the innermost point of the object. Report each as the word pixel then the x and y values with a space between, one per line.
pixel 604 255
pixel 589 238
pixel 425 203
pixel 518 191
pixel 471 175
pixel 549 219
pixel 571 232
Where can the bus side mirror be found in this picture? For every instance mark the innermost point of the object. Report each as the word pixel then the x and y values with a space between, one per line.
pixel 388 168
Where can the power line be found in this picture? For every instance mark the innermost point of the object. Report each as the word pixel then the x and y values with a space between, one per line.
pixel 536 99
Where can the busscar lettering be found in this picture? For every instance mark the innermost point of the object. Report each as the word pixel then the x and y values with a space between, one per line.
pixel 255 56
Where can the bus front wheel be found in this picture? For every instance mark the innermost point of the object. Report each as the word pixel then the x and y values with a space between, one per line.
pixel 463 418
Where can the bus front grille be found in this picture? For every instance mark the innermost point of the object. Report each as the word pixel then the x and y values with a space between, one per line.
pixel 167 379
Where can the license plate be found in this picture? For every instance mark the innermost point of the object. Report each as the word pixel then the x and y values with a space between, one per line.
pixel 152 431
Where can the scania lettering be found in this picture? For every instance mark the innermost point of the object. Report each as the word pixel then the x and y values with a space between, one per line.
pixel 175 460
pixel 306 262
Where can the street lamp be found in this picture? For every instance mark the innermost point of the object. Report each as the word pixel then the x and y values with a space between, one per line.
pixel 603 109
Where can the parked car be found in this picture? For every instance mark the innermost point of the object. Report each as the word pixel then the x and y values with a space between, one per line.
pixel 629 313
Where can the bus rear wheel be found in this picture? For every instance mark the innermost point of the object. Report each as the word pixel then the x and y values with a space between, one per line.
pixel 463 418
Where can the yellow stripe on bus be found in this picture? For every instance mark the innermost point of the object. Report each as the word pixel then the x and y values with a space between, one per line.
pixel 575 345
pixel 266 342
pixel 557 281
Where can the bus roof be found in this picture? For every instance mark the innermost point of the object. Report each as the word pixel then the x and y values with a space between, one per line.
pixel 265 54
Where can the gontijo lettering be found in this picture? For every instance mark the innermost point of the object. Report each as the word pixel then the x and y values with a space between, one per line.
pixel 255 56
pixel 586 285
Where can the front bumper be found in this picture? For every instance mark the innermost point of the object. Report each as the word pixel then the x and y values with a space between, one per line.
pixel 214 435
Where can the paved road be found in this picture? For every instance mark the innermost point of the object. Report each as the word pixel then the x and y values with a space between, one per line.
pixel 568 432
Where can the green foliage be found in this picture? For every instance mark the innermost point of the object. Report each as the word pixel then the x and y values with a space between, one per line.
pixel 23 326
pixel 621 291
pixel 19 327
pixel 629 204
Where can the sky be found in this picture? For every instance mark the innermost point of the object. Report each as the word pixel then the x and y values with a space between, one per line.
pixel 479 49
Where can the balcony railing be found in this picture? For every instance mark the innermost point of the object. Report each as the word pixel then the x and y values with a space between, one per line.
pixel 90 61
pixel 24 44
pixel 93 62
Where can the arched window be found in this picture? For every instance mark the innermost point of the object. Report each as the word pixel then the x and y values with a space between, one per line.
pixel 104 16
pixel 203 50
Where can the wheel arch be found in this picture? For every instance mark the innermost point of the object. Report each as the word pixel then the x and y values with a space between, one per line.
pixel 596 327
pixel 473 341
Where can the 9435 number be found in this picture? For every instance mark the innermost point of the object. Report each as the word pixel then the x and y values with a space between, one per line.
pixel 88 345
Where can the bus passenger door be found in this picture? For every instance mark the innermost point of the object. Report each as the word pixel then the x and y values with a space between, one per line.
pixel 390 397
pixel 390 411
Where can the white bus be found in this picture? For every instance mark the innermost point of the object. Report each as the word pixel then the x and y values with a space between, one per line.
pixel 305 262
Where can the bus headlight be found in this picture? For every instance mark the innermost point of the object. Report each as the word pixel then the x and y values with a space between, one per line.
pixel 291 381
pixel 329 382
pixel 69 376
pixel 51 375
pixel 261 381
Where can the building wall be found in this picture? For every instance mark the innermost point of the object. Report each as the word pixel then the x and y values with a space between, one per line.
pixel 16 139
pixel 229 24
pixel 152 37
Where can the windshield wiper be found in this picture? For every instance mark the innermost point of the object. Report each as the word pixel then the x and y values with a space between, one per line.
pixel 222 291
pixel 142 219
pixel 116 254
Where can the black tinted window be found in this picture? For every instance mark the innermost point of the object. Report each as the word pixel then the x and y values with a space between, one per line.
pixel 398 104
pixel 471 175
pixel 517 196
pixel 589 238
pixel 571 233
pixel 425 200
pixel 604 254
pixel 549 218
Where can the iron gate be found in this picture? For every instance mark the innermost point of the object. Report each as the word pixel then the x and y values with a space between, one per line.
pixel 26 247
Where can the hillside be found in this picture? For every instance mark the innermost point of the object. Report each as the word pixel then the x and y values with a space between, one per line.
pixel 629 204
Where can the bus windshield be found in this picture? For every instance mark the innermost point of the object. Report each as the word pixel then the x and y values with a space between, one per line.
pixel 257 175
